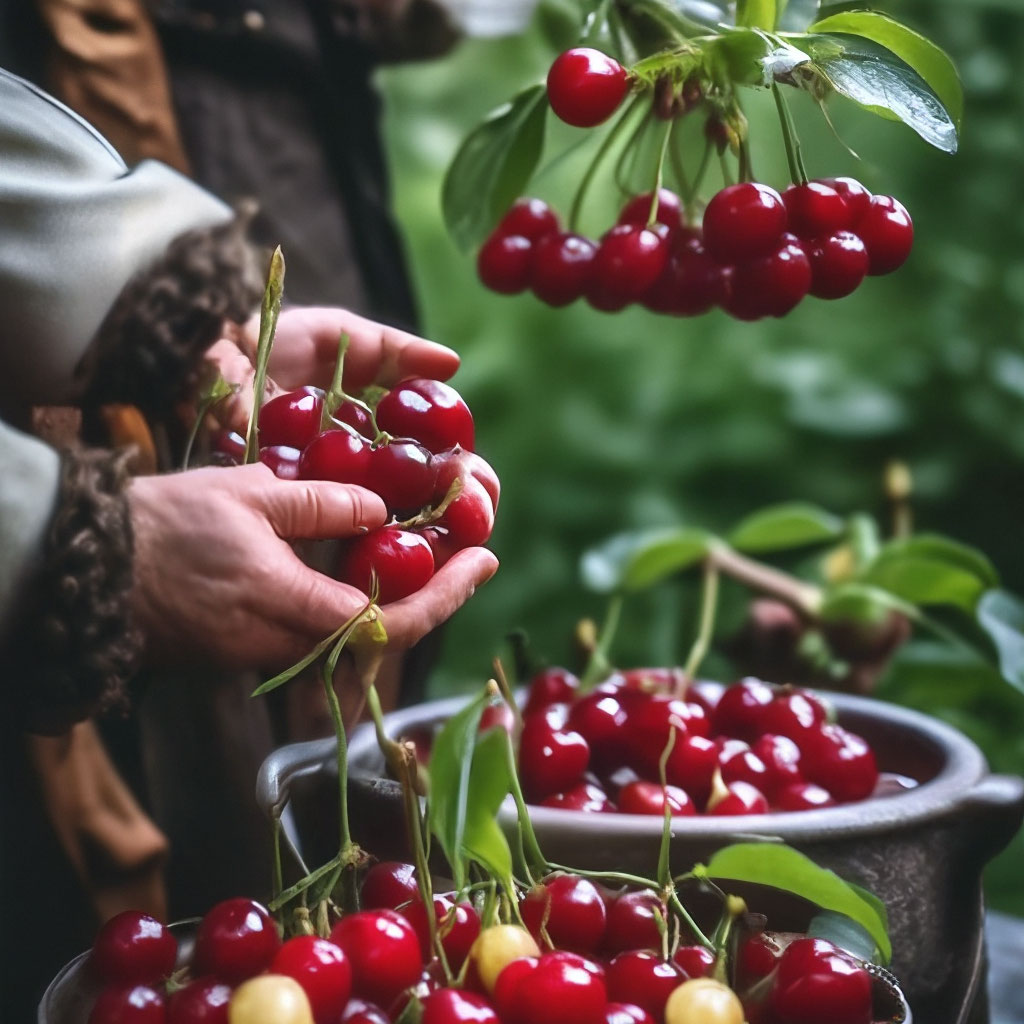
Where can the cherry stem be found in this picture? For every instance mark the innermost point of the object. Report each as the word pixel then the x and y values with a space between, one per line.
pixel 793 155
pixel 664 848
pixel 746 167
pixel 706 628
pixel 598 665
pixel 277 883
pixel 677 903
pixel 606 146
pixel 533 857
pixel 726 172
pixel 506 693
pixel 656 191
pixel 270 310
pixel 629 151
pixel 803 597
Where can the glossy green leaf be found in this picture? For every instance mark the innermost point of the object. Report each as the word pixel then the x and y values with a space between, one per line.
pixel 879 81
pixel 493 166
pixel 756 14
pixel 489 784
pixel 937 548
pixel 785 868
pixel 924 581
pixel 927 59
pixel 451 762
pixel 789 525
pixel 634 561
pixel 843 932
pixel 1001 615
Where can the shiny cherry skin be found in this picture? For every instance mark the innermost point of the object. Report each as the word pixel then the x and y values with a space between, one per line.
pixel 743 221
pixel 340 455
pixel 284 461
pixel 888 233
pixel 561 267
pixel 235 940
pixel 401 559
pixel 839 263
pixel 599 717
pixel 529 217
pixel 756 957
pixel 503 264
pixel 840 761
pixel 458 925
pixel 816 981
pixel 643 978
pixel 133 947
pixel 643 797
pixel 815 209
pixel 586 86
pixel 691 765
pixel 740 710
pixel 128 1004
pixel 469 518
pixel 384 952
pixel 669 213
pixel 585 796
pixel 694 961
pixel 802 796
pixel 769 285
pixel 691 284
pixel 554 988
pixel 794 714
pixel 551 759
pixel 203 1001
pixel 292 419
pixel 626 1013
pixel 498 715
pixel 781 758
pixel 402 472
pixel 323 971
pixel 633 921
pixel 739 798
pixel 356 417
pixel 387 885
pixel 361 1011
pixel 430 411
pixel 739 763
pixel 630 259
pixel 231 445
pixel 550 686
pixel 456 1006
pixel 650 723
pixel 571 910
pixel 857 197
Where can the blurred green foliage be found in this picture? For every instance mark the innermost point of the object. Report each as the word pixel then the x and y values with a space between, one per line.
pixel 599 423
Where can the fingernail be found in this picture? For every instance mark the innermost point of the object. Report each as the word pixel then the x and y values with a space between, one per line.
pixel 363 529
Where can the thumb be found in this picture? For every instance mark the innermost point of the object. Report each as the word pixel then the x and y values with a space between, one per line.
pixel 320 509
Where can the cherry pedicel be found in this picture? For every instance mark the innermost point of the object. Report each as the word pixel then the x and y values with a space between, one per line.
pixel 235 940
pixel 203 1001
pixel 430 411
pixel 133 947
pixel 570 909
pixel 128 1004
pixel 402 561
pixel 817 982
pixel 383 950
pixel 586 86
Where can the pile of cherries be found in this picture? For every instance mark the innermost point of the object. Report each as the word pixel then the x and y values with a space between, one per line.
pixel 587 955
pixel 756 254
pixel 421 443
pixel 750 748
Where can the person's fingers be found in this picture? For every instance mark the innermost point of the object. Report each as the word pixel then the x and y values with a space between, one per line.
pixel 227 359
pixel 319 509
pixel 410 619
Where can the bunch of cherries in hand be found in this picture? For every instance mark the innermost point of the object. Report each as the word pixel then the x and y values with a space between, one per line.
pixel 414 448
pixel 586 953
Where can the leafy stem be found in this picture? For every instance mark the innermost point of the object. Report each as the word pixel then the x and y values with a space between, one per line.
pixel 794 156
pixel 706 627
pixel 270 310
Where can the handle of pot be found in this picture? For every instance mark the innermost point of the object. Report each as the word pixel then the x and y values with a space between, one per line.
pixel 991 814
pixel 286 764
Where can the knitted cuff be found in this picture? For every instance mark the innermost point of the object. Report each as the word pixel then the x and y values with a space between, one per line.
pixel 75 650
pixel 148 348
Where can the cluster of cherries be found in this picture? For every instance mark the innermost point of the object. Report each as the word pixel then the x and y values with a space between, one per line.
pixel 750 748
pixel 756 254
pixel 411 452
pixel 587 955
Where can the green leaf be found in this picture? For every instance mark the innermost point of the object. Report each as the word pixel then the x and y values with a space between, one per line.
pixel 862 602
pixel 451 762
pixel 789 525
pixel 937 548
pixel 756 14
pixel 785 868
pixel 749 56
pixel 928 60
pixel 493 165
pixel 882 83
pixel 1001 616
pixel 843 932
pixel 489 784
pixel 634 561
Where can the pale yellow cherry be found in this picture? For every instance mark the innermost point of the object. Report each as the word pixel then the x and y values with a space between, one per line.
pixel 496 947
pixel 703 1001
pixel 269 999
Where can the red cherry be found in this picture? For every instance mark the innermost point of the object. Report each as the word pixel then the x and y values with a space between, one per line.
pixel 133 947
pixel 803 796
pixel 691 284
pixel 323 971
pixel 550 686
pixel 599 717
pixel 388 884
pixel 235 940
pixel 781 757
pixel 571 910
pixel 403 474
pixel 561 267
pixel 554 988
pixel 633 921
pixel 740 798
pixel 402 560
pixel 456 1006
pixel 529 217
pixel 816 982
pixel 469 519
pixel 705 692
pixel 856 195
pixel 585 86
pixel 356 417
pixel 650 723
pixel 691 765
pixel 626 1013
pixel 839 262
pixel 551 759
pixel 629 260
pixel 458 925
pixel 769 285
pixel 359 1011
pixel 815 209
pixel 503 264
pixel 656 680
pixel 695 961
pixel 430 411
pixel 669 213
pixel 230 444
pixel 739 763
pixel 643 978
pixel 203 1001
pixel 585 796
pixel 498 715
pixel 383 950
pixel 840 761
pixel 643 797
pixel 744 221
pixel 340 455
pixel 740 709
pixel 888 233
pixel 793 714
pixel 128 1004
pixel 284 461
pixel 291 419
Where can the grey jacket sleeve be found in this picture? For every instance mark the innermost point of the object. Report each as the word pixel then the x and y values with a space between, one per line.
pixel 75 225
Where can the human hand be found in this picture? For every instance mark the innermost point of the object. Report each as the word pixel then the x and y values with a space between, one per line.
pixel 216 579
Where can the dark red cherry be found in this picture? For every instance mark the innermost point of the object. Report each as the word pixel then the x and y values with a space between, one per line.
pixel 839 262
pixel 643 978
pixel 323 971
pixel 133 947
pixel 236 939
pixel 769 285
pixel 840 761
pixel 551 759
pixel 584 796
pixel 284 461
pixel 430 411
pixel 738 763
pixel 403 474
pixel 888 233
pixel 586 86
pixel 744 221
pixel 815 209
pixel 128 1004
pixel 554 988
pixel 818 982
pixel 793 714
pixel 550 686
pixel 740 709
pixel 691 765
pixel 383 950
pixel 669 212
pixel 650 723
pixel 633 921
pixel 802 796
pixel 857 197
pixel 739 798
pixel 781 757
pixel 756 957
pixel 401 560
pixel 292 419
pixel 599 717
pixel 561 267
pixel 340 455
pixel 203 1001
pixel 498 715
pixel 458 925
pixel 456 1006
pixel 360 1011
pixel 643 797
pixel 388 884
pixel 503 264
pixel 695 961
pixel 691 284
pixel 571 910
pixel 531 218
pixel 230 444
pixel 356 417
pixel 626 1013
pixel 630 258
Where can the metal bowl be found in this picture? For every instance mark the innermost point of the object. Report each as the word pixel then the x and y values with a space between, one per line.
pixel 921 850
